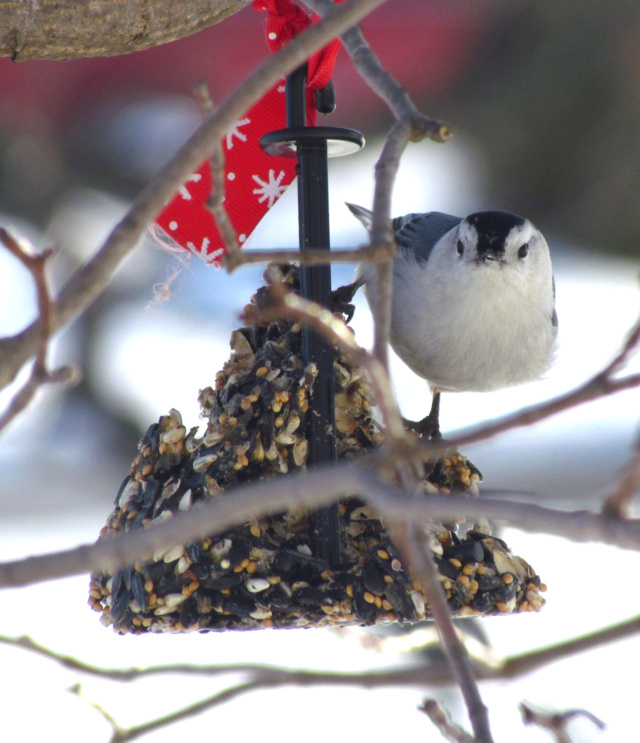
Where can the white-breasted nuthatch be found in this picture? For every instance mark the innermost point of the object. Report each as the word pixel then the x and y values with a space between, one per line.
pixel 473 301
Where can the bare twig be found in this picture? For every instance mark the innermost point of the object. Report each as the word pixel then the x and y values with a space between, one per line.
pixel 35 263
pixel 556 723
pixel 215 204
pixel 92 278
pixel 434 675
pixel 518 665
pixel 382 82
pixel 423 568
pixel 312 257
pixel 382 234
pixel 618 503
pixel 76 689
pixel 441 720
pixel 122 735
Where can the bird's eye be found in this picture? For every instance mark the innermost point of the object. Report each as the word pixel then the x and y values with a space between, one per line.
pixel 523 251
pixel 460 247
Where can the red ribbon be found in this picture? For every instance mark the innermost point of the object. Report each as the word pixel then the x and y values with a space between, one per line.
pixel 253 181
pixel 286 20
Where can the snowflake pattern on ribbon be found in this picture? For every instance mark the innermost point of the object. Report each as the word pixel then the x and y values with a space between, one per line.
pixel 254 181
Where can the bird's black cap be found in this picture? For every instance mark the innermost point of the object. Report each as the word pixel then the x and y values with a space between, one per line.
pixel 492 229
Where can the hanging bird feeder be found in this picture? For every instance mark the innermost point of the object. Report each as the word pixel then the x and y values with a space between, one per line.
pixel 285 401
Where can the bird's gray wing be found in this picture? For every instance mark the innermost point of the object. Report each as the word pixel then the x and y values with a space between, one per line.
pixel 420 232
pixel 415 232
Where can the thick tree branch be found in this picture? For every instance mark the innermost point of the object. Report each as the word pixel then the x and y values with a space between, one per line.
pixel 314 490
pixel 71 29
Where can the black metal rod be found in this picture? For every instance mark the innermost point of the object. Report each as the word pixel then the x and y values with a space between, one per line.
pixel 315 284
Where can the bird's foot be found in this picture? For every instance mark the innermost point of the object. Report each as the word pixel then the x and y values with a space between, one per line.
pixel 427 428
pixel 342 296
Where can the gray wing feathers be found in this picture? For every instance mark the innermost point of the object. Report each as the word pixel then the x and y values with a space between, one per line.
pixel 416 232
pixel 420 232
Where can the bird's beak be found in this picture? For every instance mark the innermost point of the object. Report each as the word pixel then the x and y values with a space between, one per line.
pixel 495 255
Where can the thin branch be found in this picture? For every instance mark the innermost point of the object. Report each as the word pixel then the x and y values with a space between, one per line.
pixel 423 568
pixel 441 720
pixel 36 264
pixel 76 689
pixel 382 82
pixel 556 723
pixel 312 257
pixel 92 278
pixel 312 490
pixel 519 665
pixel 435 675
pixel 215 204
pixel 122 735
pixel 382 234
pixel 618 503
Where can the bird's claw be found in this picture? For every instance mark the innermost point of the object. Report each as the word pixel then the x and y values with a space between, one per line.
pixel 427 428
pixel 341 299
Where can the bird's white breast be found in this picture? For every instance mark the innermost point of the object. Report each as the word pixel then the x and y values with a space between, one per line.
pixel 475 328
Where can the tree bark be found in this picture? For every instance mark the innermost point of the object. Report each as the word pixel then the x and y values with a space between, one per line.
pixel 70 29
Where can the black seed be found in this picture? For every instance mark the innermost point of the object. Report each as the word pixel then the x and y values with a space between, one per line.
pixel 458 596
pixel 240 550
pixel 165 464
pixel 239 605
pixel 266 427
pixel 401 602
pixel 202 571
pixel 482 602
pixel 125 482
pixel 310 597
pixel 279 599
pixel 372 578
pixel 117 585
pixel 137 589
pixel 150 490
pixel 293 564
pixel 362 609
pixel 188 614
pixel 119 608
pixel 168 583
pixel 488 582
pixel 447 569
pixel 229 580
pixel 194 552
pixel 465 551
pixel 506 591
